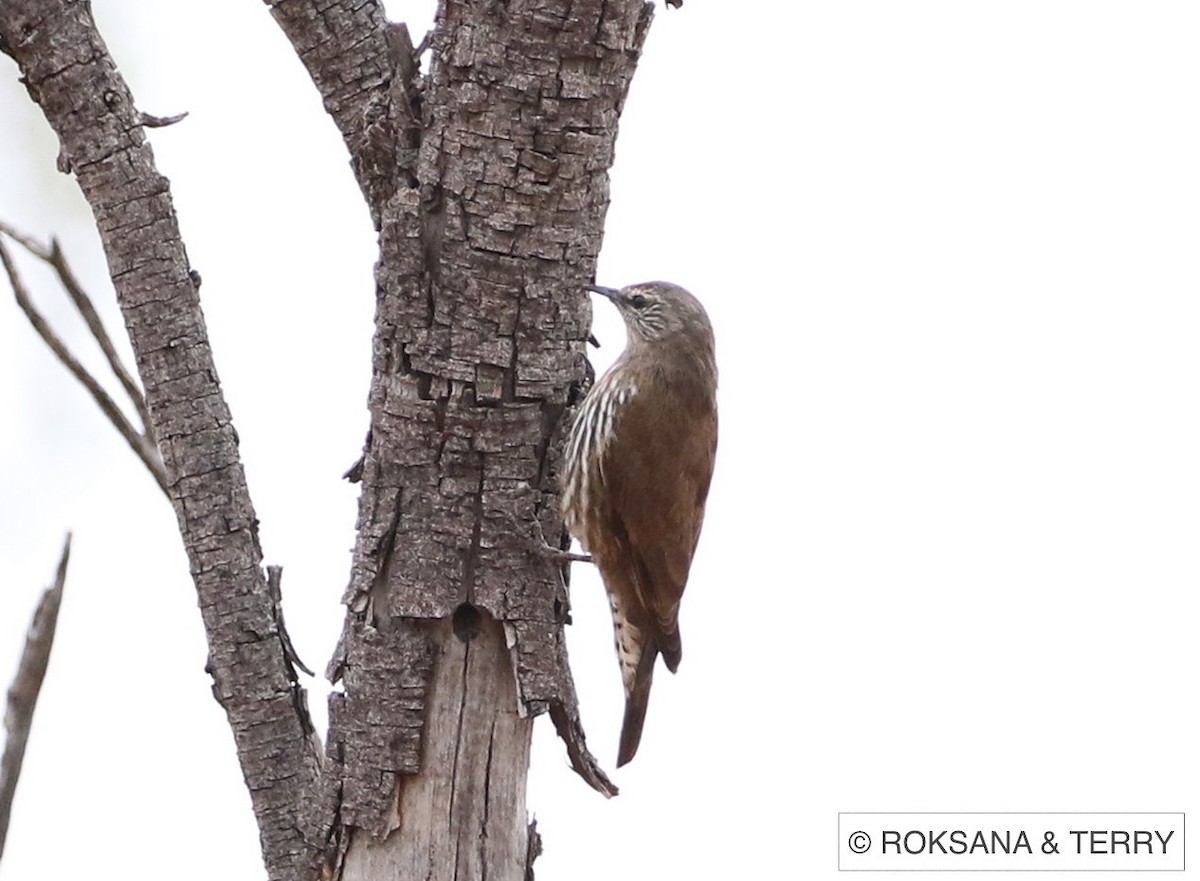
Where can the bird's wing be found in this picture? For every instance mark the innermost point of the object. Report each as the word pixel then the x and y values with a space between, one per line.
pixel 657 470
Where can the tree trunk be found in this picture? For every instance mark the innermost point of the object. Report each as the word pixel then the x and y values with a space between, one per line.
pixel 487 181
pixel 479 348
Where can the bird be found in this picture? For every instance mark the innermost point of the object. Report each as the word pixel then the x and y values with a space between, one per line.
pixel 638 463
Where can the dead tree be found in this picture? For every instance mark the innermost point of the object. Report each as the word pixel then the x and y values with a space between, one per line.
pixel 486 179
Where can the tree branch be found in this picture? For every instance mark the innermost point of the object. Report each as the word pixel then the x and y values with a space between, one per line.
pixel 487 181
pixel 343 45
pixel 362 66
pixel 55 257
pixel 488 234
pixel 23 694
pixel 69 73
pixel 141 445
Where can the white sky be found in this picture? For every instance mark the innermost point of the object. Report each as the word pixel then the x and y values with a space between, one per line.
pixel 950 561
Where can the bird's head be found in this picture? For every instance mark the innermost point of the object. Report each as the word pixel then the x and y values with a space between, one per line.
pixel 658 311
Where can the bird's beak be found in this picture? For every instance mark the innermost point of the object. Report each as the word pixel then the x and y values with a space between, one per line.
pixel 612 293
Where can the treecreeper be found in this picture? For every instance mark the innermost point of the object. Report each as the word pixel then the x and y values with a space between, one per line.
pixel 639 460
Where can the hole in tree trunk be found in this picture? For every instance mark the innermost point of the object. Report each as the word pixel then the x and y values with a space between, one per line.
pixel 466 622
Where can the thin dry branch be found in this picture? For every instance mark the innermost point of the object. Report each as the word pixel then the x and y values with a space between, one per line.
pixel 141 445
pixel 55 257
pixel 149 120
pixel 23 694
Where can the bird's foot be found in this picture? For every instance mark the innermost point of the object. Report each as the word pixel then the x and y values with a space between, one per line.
pixel 558 555
pixel 531 537
pixel 550 552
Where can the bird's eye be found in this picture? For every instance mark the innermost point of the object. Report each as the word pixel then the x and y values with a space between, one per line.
pixel 637 301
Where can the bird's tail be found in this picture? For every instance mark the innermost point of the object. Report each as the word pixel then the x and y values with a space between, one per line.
pixel 672 649
pixel 637 699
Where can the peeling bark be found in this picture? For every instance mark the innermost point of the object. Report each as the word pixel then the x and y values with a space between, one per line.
pixel 487 182
pixel 481 325
pixel 460 814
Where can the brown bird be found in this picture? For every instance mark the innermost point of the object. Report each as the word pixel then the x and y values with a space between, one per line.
pixel 638 464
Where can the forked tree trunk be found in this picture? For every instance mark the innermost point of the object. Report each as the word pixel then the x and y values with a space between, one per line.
pixel 487 181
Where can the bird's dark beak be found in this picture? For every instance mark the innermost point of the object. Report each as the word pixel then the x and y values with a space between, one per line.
pixel 612 293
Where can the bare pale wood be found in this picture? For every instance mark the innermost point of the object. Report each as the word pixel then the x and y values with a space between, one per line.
pixel 470 774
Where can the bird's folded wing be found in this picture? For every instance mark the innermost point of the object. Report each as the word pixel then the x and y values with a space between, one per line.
pixel 658 472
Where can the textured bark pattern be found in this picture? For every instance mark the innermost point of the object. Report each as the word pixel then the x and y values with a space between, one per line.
pixel 68 72
pixel 364 69
pixel 375 726
pixel 487 181
pixel 479 348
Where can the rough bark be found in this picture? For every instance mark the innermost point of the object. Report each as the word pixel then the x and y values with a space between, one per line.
pixel 487 182
pixel 70 75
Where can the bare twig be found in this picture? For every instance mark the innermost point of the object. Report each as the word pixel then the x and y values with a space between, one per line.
pixel 141 445
pixel 83 303
pixel 149 120
pixel 29 243
pixel 570 729
pixel 275 585
pixel 23 694
pixel 57 259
